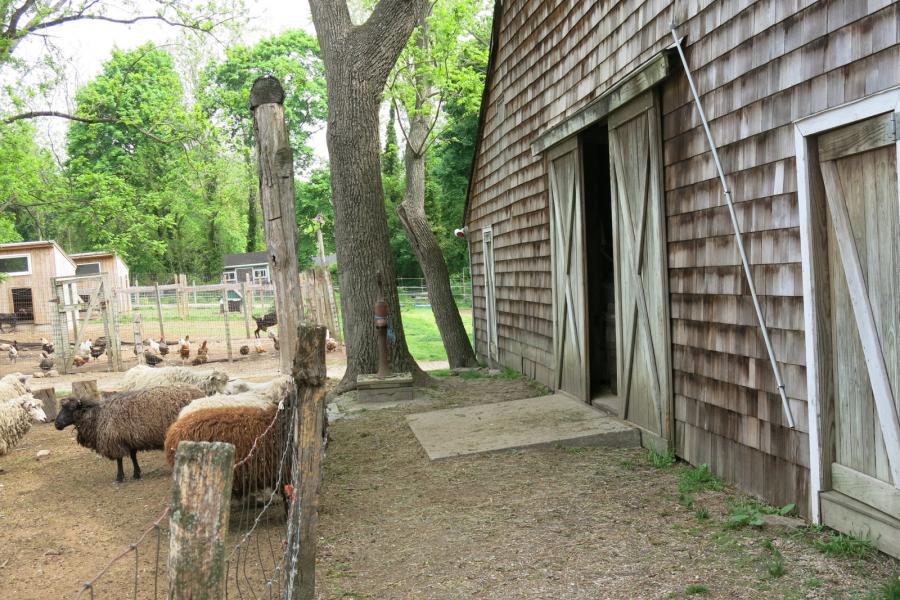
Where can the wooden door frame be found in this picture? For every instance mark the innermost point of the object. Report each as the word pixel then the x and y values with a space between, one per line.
pixel 809 195
pixel 572 144
pixel 490 296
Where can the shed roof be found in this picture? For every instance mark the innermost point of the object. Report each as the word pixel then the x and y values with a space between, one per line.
pixel 34 245
pixel 246 258
pixel 94 254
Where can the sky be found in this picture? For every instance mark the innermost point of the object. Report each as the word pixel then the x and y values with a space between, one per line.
pixel 86 45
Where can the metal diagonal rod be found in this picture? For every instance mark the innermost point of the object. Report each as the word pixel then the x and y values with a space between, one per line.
pixel 737 233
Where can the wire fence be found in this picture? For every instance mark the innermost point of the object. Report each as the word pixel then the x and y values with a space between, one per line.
pixel 258 547
pixel 173 320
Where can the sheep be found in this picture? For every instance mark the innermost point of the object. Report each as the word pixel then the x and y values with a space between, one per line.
pixel 241 426
pixel 127 422
pixel 141 376
pixel 16 416
pixel 12 386
pixel 256 395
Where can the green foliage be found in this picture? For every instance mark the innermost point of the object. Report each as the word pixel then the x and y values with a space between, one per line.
pixel 152 185
pixel 313 198
pixel 889 590
pixel 661 460
pixel 698 479
pixel 839 544
pixel 696 589
pixel 702 513
pixel 750 512
pixel 424 339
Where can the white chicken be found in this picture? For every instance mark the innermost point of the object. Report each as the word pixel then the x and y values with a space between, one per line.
pixel 154 346
pixel 84 349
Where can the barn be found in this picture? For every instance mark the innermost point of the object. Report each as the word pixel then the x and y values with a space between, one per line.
pixel 604 258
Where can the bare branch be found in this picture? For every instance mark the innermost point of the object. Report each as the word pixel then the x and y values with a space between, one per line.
pixel 89 120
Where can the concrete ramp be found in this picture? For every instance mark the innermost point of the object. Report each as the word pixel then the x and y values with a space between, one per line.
pixel 545 420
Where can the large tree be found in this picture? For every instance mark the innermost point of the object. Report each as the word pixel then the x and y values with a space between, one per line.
pixel 433 66
pixel 358 60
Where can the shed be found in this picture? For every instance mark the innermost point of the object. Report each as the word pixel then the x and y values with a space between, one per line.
pixel 105 262
pixel 252 265
pixel 603 258
pixel 27 289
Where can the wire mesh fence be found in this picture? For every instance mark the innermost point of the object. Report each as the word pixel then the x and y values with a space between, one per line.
pixel 168 319
pixel 258 547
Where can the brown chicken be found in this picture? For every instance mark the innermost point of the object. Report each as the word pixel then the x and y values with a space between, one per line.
pixel 185 350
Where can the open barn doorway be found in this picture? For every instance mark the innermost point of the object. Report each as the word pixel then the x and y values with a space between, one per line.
pixel 600 268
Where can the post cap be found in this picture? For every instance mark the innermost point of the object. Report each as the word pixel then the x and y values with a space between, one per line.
pixel 266 90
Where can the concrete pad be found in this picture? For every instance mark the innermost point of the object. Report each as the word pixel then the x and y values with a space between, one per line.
pixel 554 419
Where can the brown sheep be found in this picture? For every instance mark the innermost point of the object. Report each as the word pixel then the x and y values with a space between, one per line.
pixel 238 425
pixel 126 423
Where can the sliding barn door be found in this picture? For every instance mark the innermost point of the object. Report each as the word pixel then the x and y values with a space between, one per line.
pixel 642 296
pixel 567 252
pixel 859 172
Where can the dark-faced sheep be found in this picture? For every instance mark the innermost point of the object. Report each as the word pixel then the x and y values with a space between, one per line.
pixel 126 423
pixel 241 426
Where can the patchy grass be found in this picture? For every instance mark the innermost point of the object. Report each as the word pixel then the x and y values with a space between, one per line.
pixel 695 589
pixel 661 460
pixel 698 479
pixel 839 544
pixel 890 590
pixel 422 334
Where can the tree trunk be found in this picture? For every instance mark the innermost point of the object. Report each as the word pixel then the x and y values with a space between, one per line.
pixel 358 60
pixel 252 214
pixel 428 252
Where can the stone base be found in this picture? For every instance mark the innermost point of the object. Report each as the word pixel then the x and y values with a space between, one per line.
pixel 396 388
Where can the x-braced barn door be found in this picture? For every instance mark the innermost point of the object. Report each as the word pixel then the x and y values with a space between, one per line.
pixel 567 251
pixel 642 293
pixel 859 171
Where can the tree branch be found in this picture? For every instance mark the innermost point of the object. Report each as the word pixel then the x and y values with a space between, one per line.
pixel 331 19
pixel 384 34
pixel 89 120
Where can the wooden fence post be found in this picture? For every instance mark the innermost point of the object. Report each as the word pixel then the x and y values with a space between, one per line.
pixel 162 331
pixel 245 301
pixel 198 520
pixel 225 316
pixel 276 193
pixel 138 338
pixel 308 371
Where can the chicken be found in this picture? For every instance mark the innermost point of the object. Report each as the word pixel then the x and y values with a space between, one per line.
pixel 244 350
pixel 258 347
pixel 331 344
pixel 153 347
pixel 203 349
pixel 46 346
pixel 151 359
pixel 98 348
pixel 13 351
pixel 163 347
pixel 274 338
pixel 84 349
pixel 46 363
pixel 184 348
pixel 199 360
pixel 79 361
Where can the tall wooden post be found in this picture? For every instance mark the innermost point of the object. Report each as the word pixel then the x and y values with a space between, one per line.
pixel 308 371
pixel 198 520
pixel 276 192
pixel 162 331
pixel 328 292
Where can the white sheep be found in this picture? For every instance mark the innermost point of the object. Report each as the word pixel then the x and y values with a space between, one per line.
pixel 12 386
pixel 141 376
pixel 16 416
pixel 257 395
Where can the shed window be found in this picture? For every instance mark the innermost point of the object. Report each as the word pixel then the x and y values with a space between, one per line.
pixel 230 276
pixel 16 265
pixel 23 304
pixel 261 273
pixel 87 269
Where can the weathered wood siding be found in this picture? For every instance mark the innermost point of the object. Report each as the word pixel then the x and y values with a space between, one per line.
pixel 43 267
pixel 759 65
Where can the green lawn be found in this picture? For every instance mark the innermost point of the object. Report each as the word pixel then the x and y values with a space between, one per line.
pixel 422 334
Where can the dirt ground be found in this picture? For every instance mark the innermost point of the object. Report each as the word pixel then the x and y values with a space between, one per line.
pixel 539 523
